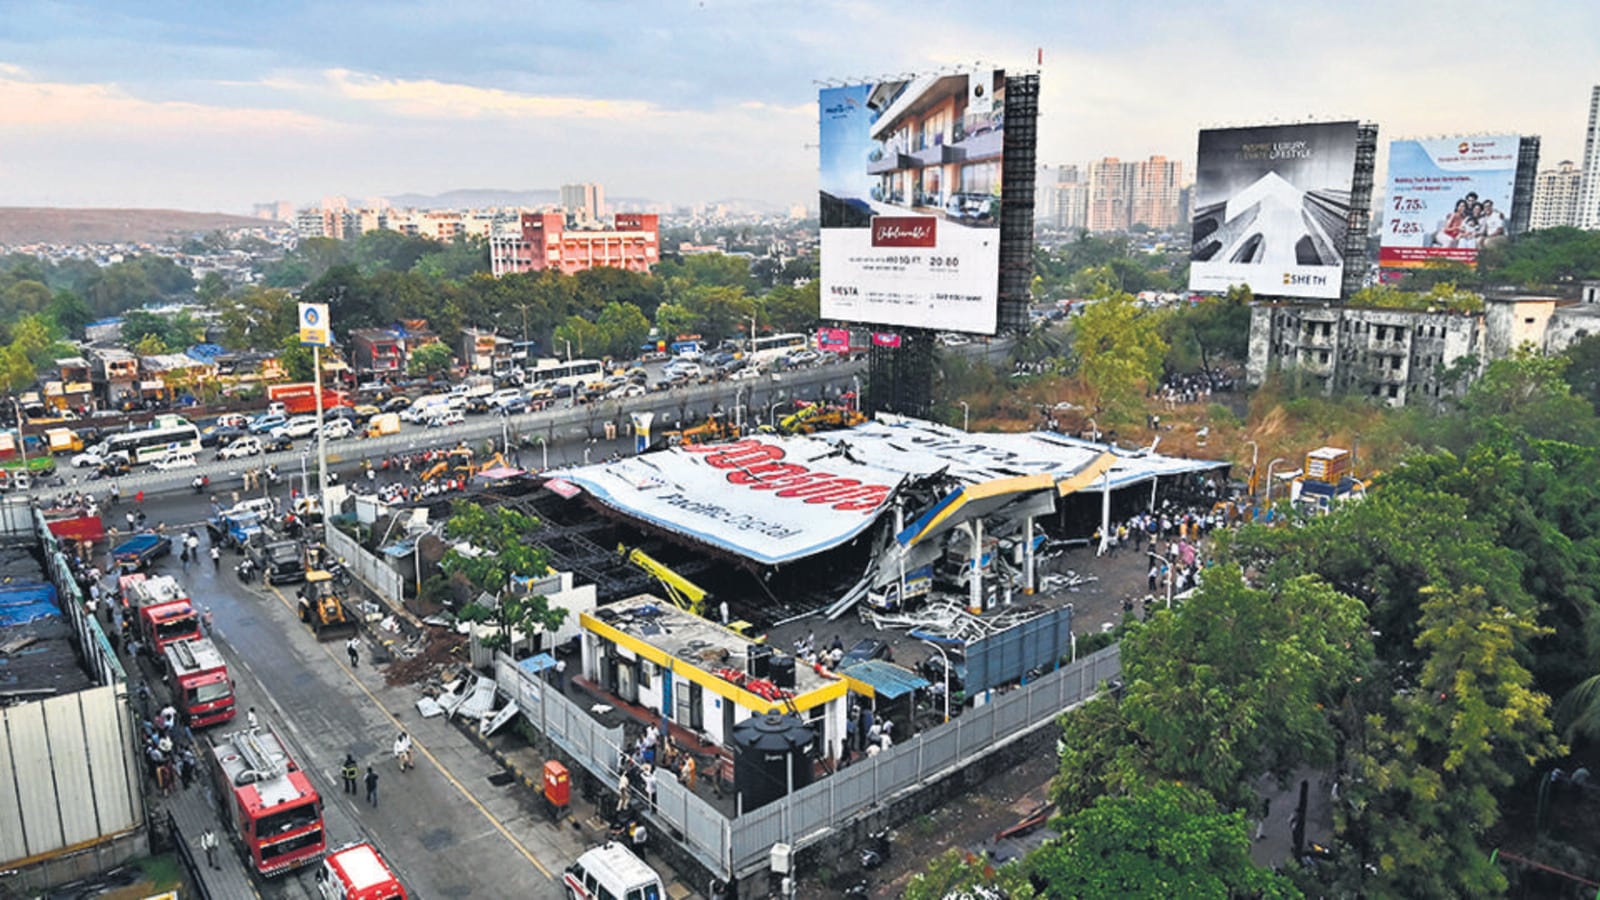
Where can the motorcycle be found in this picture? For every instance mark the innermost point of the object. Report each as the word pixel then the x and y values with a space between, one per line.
pixel 880 845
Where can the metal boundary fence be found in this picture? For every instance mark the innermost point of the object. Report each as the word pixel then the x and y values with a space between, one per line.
pixel 368 567
pixel 736 847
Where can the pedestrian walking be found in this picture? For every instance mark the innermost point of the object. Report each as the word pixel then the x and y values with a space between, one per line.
pixel 353 647
pixel 216 559
pixel 350 772
pixel 402 751
pixel 372 786
pixel 208 843
pixel 250 719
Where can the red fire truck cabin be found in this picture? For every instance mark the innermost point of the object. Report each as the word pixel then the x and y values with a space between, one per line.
pixel 272 808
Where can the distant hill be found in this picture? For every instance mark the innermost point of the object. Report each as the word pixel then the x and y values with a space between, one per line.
pixel 50 225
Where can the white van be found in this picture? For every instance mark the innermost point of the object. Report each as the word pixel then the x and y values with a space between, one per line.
pixel 612 872
pixel 424 408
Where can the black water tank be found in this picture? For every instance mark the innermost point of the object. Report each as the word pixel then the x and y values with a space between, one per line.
pixel 759 661
pixel 782 669
pixel 763 746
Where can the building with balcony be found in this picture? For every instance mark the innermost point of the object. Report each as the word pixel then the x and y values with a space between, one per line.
pixel 1408 356
pixel 382 353
pixel 540 241
pixel 939 140
pixel 485 352
pixel 1555 196
pixel 115 375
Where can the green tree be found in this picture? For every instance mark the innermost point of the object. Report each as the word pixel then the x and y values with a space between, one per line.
pixel 1119 350
pixel 955 873
pixel 430 359
pixel 585 338
pixel 625 328
pixel 500 548
pixel 786 308
pixel 212 288
pixel 150 345
pixel 69 312
pixel 296 358
pixel 1425 772
pixel 1235 686
pixel 1167 841
pixel 256 316
pixel 1199 335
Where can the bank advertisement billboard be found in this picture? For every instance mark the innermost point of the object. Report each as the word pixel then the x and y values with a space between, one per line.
pixel 910 201
pixel 1447 197
pixel 1272 209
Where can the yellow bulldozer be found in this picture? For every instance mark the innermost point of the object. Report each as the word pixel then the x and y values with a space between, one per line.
pixel 323 607
pixel 458 463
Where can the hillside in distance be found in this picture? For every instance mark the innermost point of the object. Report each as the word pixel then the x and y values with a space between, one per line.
pixel 21 225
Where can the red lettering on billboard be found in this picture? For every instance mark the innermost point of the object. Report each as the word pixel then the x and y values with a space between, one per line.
pixel 761 467
pixel 904 231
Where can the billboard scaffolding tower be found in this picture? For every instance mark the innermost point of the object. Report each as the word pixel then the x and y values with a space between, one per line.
pixel 1356 260
pixel 1522 192
pixel 1018 171
pixel 900 379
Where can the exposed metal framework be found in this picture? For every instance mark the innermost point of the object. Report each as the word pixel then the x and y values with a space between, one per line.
pixel 1019 162
pixel 1356 259
pixel 1522 189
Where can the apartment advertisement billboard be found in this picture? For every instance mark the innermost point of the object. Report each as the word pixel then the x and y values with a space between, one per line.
pixel 1447 198
pixel 910 200
pixel 1272 209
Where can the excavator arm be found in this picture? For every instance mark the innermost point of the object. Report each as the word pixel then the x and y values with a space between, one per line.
pixel 685 594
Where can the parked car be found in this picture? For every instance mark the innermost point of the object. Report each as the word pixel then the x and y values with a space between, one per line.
pixel 242 447
pixel 264 423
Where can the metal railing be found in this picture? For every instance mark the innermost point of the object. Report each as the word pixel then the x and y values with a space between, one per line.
pixel 369 568
pixel 738 846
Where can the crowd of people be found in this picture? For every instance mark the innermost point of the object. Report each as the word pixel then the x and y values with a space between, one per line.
pixel 1194 387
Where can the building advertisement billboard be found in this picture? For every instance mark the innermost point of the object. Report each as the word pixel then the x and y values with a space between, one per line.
pixel 1272 209
pixel 910 200
pixel 1447 197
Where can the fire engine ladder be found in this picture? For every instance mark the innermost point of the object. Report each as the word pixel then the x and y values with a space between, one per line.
pixel 263 763
pixel 684 593
pixel 185 655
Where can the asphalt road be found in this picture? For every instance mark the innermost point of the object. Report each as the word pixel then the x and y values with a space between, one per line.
pixel 447 829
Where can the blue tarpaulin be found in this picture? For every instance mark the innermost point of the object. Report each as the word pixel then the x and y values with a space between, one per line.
pixel 23 603
pixel 888 681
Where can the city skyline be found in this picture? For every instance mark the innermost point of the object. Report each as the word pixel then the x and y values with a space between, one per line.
pixel 218 108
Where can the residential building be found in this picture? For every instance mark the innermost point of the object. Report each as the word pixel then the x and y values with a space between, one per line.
pixel 1121 194
pixel 584 204
pixel 1555 196
pixel 1589 191
pixel 542 241
pixel 114 374
pixel 382 353
pixel 483 351
pixel 1157 189
pixel 1063 201
pixel 336 222
pixel 1407 356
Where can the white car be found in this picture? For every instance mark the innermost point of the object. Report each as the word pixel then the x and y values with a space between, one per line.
pixel 678 369
pixel 447 417
pixel 297 427
pixel 337 429
pixel 249 445
pixel 622 391
pixel 92 458
pixel 745 372
pixel 180 460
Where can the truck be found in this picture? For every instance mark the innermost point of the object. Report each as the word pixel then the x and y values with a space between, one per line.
pixel 271 809
pixel 234 528
pixel 279 560
pixel 141 550
pixel 63 440
pixel 358 872
pixel 383 424
pixel 200 684
pixel 161 610
pixel 300 397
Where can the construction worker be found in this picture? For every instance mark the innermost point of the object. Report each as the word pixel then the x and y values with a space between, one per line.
pixel 350 772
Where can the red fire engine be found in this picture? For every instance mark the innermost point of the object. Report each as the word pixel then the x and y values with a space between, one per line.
pixel 272 808
pixel 358 872
pixel 200 682
pixel 162 611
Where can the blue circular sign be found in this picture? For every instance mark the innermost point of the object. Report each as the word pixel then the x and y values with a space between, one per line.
pixel 311 315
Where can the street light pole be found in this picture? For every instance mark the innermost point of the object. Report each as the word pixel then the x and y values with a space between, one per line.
pixel 772 413
pixel 966 415
pixel 738 407
pixel 946 659
pixel 1270 466
pixel 1168 563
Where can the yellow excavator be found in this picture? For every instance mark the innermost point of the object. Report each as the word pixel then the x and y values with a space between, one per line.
pixel 458 463
pixel 715 428
pixel 817 417
pixel 685 594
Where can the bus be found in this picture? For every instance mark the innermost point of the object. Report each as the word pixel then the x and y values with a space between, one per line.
pixel 772 347
pixel 152 444
pixel 573 373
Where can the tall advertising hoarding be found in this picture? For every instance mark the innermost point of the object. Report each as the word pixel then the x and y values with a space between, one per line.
pixel 910 201
pixel 1447 197
pixel 1272 209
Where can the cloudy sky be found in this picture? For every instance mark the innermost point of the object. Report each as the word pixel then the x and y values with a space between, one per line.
pixel 216 105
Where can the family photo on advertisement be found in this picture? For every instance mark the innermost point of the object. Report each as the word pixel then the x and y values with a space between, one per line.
pixel 1470 224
